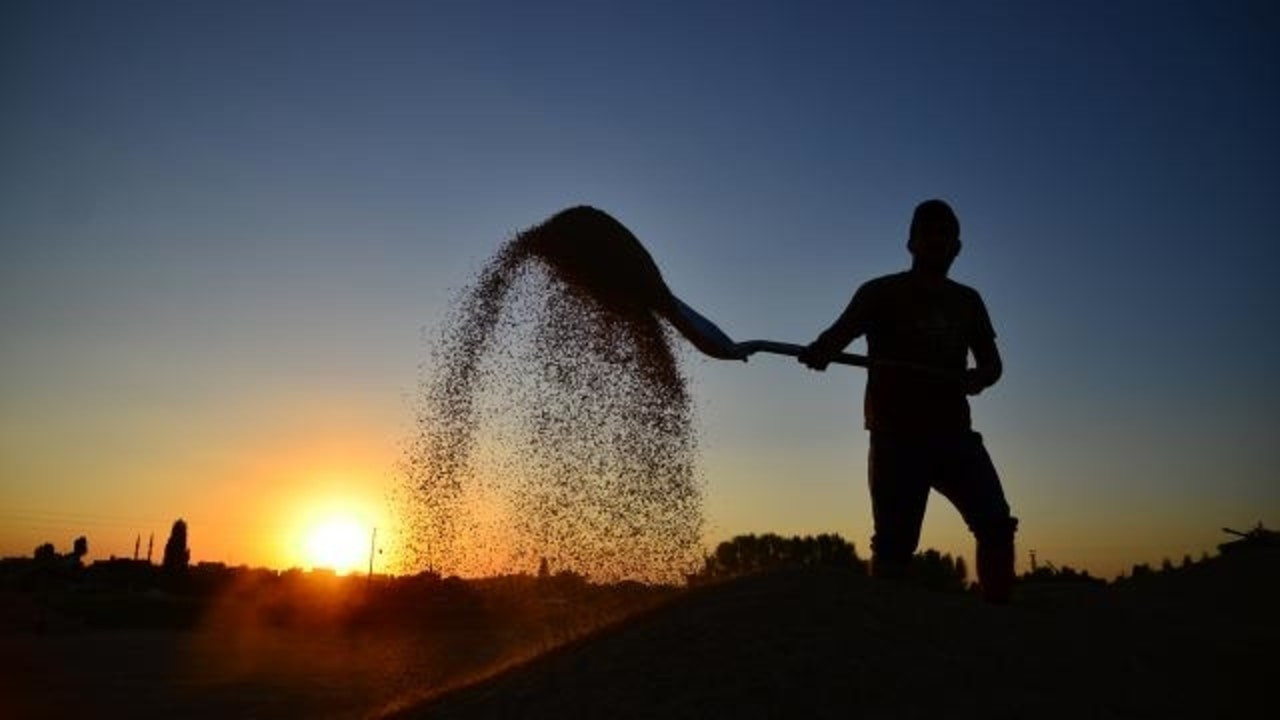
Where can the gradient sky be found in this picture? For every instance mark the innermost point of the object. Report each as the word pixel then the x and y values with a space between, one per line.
pixel 230 230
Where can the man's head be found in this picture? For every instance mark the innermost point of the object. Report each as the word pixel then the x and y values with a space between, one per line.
pixel 934 239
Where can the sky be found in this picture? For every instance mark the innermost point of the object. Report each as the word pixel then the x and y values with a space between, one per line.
pixel 229 232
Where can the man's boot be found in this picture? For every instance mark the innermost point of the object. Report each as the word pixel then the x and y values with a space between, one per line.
pixel 995 567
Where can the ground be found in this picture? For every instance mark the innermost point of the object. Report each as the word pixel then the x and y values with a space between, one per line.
pixel 1194 642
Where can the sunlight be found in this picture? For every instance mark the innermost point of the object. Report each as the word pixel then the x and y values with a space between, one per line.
pixel 339 543
pixel 328 520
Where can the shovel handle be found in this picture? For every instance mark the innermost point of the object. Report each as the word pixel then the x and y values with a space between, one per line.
pixel 751 347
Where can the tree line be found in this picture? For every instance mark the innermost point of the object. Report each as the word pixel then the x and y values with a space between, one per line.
pixel 47 559
pixel 750 554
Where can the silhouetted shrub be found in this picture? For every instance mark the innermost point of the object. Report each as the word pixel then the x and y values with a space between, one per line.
pixel 1048 572
pixel 747 554
pixel 79 549
pixel 939 571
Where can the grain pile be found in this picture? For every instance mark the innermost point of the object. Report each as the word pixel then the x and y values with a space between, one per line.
pixel 555 422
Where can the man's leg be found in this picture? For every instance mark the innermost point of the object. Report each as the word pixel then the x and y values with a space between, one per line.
pixel 971 483
pixel 898 472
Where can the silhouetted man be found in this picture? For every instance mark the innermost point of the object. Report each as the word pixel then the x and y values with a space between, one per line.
pixel 920 328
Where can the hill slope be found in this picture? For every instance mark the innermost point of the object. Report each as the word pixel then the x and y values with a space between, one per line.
pixel 823 643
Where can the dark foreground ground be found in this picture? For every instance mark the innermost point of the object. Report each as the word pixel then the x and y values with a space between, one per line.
pixel 264 645
pixel 1196 643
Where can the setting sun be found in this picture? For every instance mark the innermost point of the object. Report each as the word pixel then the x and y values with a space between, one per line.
pixel 338 543
pixel 330 521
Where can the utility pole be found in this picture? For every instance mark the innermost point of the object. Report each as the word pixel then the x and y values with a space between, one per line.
pixel 373 544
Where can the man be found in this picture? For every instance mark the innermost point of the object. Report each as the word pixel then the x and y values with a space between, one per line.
pixel 920 328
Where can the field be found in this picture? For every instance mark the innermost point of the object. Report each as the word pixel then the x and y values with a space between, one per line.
pixel 280 647
pixel 1193 642
pixel 809 642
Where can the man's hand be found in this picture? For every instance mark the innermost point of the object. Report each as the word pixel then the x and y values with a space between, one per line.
pixel 978 379
pixel 815 357
pixel 974 381
pixel 988 370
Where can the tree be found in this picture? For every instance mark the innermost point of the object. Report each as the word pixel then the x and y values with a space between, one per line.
pixel 176 554
pixel 938 570
pixel 46 553
pixel 79 549
pixel 746 554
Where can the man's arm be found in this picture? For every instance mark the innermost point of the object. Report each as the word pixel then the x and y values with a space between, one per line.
pixel 987 366
pixel 846 329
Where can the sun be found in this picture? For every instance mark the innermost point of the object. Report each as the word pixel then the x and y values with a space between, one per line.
pixel 338 543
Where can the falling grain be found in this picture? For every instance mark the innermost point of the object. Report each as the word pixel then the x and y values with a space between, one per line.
pixel 555 422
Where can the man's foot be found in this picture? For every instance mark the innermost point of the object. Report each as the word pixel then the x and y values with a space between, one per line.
pixel 995 572
pixel 889 569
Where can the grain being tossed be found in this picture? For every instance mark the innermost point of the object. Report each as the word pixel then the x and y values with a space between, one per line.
pixel 557 423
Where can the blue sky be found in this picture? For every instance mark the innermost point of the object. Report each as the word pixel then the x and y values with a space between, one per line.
pixel 230 230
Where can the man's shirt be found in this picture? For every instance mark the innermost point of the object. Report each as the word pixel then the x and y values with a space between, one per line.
pixel 913 320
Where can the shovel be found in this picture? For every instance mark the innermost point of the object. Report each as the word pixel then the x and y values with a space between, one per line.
pixel 711 340
pixel 593 251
